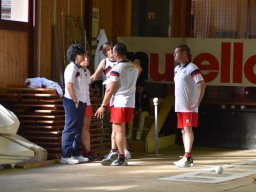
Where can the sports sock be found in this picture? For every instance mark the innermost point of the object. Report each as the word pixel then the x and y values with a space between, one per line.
pixel 187 155
pixel 121 156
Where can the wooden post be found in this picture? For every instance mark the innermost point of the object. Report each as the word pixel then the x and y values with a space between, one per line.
pixel 181 15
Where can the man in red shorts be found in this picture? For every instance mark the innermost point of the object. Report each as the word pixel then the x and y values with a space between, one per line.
pixel 120 95
pixel 189 91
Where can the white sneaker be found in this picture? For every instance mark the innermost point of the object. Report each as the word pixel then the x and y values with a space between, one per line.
pixel 68 160
pixel 127 154
pixel 81 159
pixel 184 162
pixel 109 158
pixel 120 162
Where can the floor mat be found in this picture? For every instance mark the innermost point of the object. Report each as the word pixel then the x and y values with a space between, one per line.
pixel 209 175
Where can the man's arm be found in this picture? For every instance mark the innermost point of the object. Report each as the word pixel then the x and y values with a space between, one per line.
pixel 72 93
pixel 112 86
pixel 201 90
pixel 99 70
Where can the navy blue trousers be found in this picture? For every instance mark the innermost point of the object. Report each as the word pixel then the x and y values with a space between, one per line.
pixel 71 134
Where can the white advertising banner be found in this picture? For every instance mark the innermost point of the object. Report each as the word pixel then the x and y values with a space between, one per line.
pixel 229 62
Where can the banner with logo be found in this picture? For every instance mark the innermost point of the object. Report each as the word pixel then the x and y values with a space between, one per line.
pixel 229 62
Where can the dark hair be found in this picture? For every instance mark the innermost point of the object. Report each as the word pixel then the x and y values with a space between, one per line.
pixel 106 47
pixel 73 51
pixel 184 48
pixel 120 48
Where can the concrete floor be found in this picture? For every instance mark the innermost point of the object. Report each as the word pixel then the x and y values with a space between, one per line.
pixel 141 175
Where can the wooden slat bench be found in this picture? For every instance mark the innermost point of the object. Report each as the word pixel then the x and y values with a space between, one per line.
pixel 41 115
pixel 42 118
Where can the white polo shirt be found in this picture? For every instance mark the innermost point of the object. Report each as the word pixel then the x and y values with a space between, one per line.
pixel 186 89
pixel 77 76
pixel 125 74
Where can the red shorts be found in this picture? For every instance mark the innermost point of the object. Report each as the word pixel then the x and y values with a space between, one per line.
pixel 121 114
pixel 187 119
pixel 88 111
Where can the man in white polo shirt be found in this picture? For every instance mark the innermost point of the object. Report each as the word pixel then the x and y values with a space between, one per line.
pixel 120 94
pixel 189 91
pixel 105 67
pixel 74 102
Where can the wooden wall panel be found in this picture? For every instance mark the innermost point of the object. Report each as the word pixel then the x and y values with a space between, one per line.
pixel 128 18
pixel 74 8
pixel 44 38
pixel 122 18
pixel 181 11
pixel 51 49
pixel 13 57
pixel 106 16
pixel 115 17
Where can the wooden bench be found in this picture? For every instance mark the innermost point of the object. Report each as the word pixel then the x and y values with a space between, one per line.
pixel 42 118
pixel 41 115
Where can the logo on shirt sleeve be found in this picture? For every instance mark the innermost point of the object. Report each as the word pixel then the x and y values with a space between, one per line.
pixel 114 73
pixel 77 74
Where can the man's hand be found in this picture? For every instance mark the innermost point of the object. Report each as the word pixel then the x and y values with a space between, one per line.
pixel 100 112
